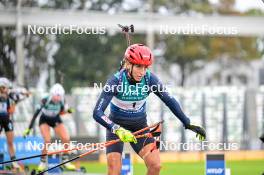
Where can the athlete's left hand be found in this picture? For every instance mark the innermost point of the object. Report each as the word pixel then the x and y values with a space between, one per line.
pixel 27 93
pixel 200 132
pixel 70 110
pixel 26 132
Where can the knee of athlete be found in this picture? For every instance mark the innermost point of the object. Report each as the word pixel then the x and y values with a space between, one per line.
pixel 47 140
pixel 10 143
pixel 114 164
pixel 155 166
pixel 114 167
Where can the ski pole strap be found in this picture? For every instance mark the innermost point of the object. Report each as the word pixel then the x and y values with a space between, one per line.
pixel 155 133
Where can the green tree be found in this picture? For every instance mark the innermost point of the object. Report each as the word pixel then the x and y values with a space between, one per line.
pixel 89 59
pixel 240 48
pixel 7 50
pixel 184 50
pixel 35 52
pixel 181 6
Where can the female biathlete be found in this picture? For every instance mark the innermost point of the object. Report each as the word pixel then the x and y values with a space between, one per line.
pixel 50 110
pixel 8 99
pixel 128 109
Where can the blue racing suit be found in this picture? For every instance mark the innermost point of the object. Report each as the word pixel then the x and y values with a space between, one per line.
pixel 128 105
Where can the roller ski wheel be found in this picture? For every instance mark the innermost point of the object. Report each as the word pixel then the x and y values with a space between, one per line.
pixel 35 171
pixel 14 168
pixel 83 169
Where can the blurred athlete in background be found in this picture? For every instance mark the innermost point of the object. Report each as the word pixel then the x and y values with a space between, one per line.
pixel 50 111
pixel 8 99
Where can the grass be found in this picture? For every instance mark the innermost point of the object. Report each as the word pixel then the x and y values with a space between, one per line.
pixel 255 167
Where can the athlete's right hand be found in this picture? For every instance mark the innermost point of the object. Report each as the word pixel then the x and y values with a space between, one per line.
pixel 125 135
pixel 26 132
pixel 200 131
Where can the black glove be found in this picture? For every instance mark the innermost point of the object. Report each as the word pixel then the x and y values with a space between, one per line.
pixel 262 138
pixel 200 132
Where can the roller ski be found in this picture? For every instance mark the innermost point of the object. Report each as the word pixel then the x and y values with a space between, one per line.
pixel 14 168
pixel 70 166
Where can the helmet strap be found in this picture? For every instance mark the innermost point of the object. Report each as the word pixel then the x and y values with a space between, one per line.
pixel 122 63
